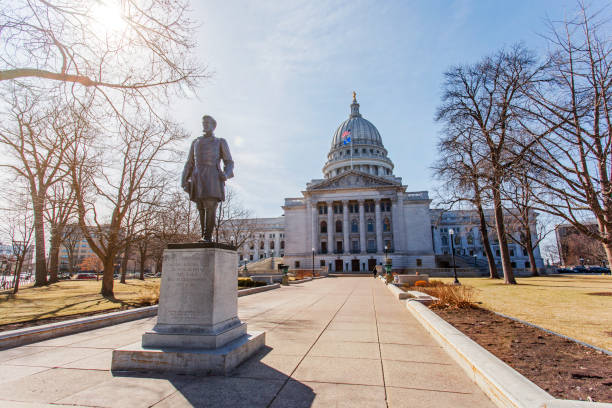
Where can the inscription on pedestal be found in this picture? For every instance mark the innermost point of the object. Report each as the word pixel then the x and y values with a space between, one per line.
pixel 198 288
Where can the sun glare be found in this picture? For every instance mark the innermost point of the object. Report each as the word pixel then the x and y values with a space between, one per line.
pixel 107 15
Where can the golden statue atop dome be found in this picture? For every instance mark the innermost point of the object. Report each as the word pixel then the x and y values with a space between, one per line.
pixel 354 96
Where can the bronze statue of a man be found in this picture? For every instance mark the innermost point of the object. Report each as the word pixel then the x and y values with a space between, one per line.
pixel 203 178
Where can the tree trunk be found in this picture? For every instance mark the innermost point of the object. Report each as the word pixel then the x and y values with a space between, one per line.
pixel 143 258
pixel 158 265
pixel 56 233
pixel 608 249
pixel 39 233
pixel 142 269
pixel 486 244
pixel 501 236
pixel 124 262
pixel 18 267
pixel 528 245
pixel 107 276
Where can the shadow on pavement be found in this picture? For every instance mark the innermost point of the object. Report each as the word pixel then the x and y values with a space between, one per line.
pixel 251 384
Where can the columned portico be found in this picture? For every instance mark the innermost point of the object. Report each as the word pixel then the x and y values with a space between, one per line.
pixel 379 227
pixel 345 227
pixel 362 228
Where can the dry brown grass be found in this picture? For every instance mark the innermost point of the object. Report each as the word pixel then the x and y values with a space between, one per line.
pixel 566 304
pixel 449 296
pixel 73 297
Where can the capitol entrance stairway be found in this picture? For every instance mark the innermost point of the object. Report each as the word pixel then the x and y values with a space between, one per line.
pixel 463 261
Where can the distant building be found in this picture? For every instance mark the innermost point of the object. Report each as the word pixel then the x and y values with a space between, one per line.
pixel 360 212
pixel 576 248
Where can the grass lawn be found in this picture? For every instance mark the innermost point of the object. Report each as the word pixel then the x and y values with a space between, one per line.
pixel 561 303
pixel 72 297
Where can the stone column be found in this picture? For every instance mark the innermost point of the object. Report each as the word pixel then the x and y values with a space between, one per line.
pixel 397 223
pixel 379 230
pixel 345 226
pixel 362 227
pixel 315 226
pixel 330 227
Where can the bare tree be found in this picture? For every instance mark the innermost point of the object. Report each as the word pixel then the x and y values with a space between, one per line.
pixel 124 179
pixel 71 238
pixel 571 120
pixel 19 228
pixel 59 212
pixel 31 134
pixel 461 167
pixel 234 224
pixel 134 49
pixel 523 227
pixel 483 98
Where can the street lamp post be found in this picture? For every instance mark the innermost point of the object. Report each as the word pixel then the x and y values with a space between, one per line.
pixel 451 232
pixel 313 262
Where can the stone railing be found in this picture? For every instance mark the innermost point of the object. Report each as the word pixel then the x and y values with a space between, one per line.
pixel 417 195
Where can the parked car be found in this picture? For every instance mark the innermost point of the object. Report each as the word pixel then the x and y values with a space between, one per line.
pixel 564 270
pixel 599 269
pixel 580 269
pixel 63 276
pixel 86 276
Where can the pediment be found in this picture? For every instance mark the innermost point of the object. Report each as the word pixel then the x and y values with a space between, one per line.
pixel 353 179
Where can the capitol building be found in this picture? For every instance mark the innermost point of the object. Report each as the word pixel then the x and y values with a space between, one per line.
pixel 360 212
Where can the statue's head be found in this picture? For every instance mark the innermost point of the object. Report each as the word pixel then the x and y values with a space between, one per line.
pixel 208 124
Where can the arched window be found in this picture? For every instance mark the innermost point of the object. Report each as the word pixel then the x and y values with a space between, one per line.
pixel 338 226
pixel 282 244
pixel 261 245
pixel 354 226
pixel 386 225
pixel 444 240
pixel 271 244
pixel 370 225
pixel 323 227
pixel 470 238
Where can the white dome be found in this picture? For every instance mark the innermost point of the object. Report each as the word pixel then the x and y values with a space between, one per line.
pixel 364 151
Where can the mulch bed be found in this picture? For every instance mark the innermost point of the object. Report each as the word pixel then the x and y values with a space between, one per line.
pixel 565 369
pixel 47 320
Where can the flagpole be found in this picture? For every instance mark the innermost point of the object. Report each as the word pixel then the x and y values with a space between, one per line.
pixel 351 153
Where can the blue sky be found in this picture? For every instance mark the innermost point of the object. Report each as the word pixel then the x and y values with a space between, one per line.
pixel 282 74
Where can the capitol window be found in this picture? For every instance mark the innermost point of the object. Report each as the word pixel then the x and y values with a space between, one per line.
pixel 323 227
pixel 354 226
pixel 338 226
pixel 370 225
pixel 386 225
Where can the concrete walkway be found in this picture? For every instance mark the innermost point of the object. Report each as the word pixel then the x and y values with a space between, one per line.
pixel 336 342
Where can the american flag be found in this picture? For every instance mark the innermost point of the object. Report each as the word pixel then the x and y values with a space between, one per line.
pixel 346 137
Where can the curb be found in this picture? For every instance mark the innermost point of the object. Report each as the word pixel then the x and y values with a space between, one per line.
pixel 28 335
pixel 20 337
pixel 502 384
pixel 295 282
pixel 505 386
pixel 251 291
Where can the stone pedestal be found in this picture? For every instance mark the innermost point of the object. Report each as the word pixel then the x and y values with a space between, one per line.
pixel 197 330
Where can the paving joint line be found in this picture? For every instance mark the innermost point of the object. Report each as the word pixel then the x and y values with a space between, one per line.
pixel 382 366
pixel 311 346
